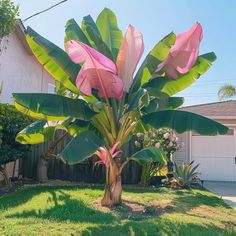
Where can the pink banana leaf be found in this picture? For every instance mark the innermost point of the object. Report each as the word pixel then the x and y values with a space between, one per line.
pixel 102 153
pixel 98 72
pixel 184 52
pixel 129 55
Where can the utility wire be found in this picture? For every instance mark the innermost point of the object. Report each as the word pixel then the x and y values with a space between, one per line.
pixel 38 13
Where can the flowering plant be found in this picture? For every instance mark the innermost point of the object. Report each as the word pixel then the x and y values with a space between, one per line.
pixel 112 102
pixel 164 139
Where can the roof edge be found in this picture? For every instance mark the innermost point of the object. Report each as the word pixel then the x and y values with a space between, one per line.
pixel 20 33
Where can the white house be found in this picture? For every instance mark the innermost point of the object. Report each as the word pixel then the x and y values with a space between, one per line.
pixel 19 69
pixel 216 154
pixel 21 72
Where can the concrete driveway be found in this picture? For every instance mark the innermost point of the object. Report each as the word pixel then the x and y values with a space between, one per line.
pixel 225 190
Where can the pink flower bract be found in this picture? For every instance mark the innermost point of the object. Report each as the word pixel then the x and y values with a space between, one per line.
pixel 130 52
pixel 184 52
pixel 98 72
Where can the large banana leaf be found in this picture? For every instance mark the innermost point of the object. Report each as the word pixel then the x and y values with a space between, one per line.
pixel 158 54
pixel 54 59
pixel 88 22
pixel 203 63
pixel 98 42
pixel 52 107
pixel 74 32
pixel 38 132
pixel 81 147
pixel 111 34
pixel 167 103
pixel 150 154
pixel 42 131
pixel 74 127
pixel 182 121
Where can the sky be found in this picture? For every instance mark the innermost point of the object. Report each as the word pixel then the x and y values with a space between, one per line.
pixel 155 19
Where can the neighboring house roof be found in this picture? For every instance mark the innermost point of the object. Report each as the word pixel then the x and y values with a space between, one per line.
pixel 20 33
pixel 217 110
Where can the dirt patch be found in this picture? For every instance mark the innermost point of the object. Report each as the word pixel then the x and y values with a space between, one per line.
pixel 138 211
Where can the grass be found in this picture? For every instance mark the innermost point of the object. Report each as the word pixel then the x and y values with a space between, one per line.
pixel 76 211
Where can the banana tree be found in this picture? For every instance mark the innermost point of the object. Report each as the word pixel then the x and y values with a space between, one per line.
pixel 98 65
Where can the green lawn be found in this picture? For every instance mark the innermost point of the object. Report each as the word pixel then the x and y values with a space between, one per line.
pixel 76 211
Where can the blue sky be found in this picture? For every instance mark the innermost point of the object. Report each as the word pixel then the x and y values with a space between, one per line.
pixel 155 19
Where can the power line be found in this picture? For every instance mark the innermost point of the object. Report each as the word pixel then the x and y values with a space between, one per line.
pixel 38 13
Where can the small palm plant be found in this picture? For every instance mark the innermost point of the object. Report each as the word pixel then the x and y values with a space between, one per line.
pixel 185 175
pixel 112 102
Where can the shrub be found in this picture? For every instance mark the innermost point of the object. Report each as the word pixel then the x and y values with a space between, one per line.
pixel 11 122
pixel 184 176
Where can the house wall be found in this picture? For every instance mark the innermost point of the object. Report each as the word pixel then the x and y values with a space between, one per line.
pixel 20 72
pixel 182 155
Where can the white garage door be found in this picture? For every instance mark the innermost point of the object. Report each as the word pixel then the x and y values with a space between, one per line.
pixel 216 155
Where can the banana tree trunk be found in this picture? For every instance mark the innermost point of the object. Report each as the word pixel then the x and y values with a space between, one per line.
pixel 42 166
pixel 5 176
pixel 113 189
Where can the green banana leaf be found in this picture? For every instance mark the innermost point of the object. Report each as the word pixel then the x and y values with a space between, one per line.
pixel 38 132
pixel 111 34
pixel 203 63
pixel 81 147
pixel 150 154
pixel 182 121
pixel 89 22
pixel 98 42
pixel 74 32
pixel 54 59
pixel 159 104
pixel 158 54
pixel 138 99
pixel 74 127
pixel 42 131
pixel 52 107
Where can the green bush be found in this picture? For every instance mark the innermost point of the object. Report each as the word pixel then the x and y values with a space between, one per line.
pixel 11 122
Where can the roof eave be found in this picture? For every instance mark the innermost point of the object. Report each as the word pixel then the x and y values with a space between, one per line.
pixel 20 33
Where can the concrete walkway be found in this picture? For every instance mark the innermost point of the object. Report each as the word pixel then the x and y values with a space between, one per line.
pixel 225 190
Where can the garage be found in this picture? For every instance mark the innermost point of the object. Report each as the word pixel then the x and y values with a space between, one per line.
pixel 216 156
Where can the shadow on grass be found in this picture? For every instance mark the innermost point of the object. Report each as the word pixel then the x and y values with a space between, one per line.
pixel 155 227
pixel 65 208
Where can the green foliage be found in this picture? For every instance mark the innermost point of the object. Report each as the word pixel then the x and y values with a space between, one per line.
pixel 182 121
pixel 226 91
pixel 54 59
pixel 87 142
pixel 8 17
pixel 110 33
pixel 11 122
pixel 147 104
pixel 52 107
pixel 163 138
pixel 149 154
pixel 185 175
pixel 158 54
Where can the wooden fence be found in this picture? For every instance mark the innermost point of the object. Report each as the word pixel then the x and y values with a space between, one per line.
pixel 84 172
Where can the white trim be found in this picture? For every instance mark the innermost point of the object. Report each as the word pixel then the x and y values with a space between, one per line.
pixel 190 146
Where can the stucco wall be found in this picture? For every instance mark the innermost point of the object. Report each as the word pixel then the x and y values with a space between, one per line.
pixel 182 155
pixel 21 72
